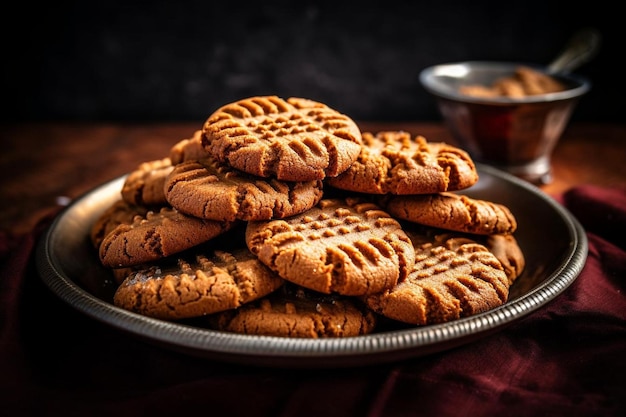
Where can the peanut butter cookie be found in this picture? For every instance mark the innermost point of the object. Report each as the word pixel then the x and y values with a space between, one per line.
pixel 393 162
pixel 453 212
pixel 508 252
pixel 211 190
pixel 300 314
pixel 194 286
pixel 344 246
pixel 120 212
pixel 504 246
pixel 156 235
pixel 144 186
pixel 189 149
pixel 451 278
pixel 292 140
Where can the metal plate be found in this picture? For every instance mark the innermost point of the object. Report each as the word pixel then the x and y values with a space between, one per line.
pixel 553 242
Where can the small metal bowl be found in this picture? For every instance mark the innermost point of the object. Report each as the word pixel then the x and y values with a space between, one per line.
pixel 516 135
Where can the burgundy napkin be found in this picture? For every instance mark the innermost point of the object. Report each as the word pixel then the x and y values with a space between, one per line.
pixel 566 359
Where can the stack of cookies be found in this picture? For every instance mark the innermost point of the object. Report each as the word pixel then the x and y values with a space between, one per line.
pixel 280 217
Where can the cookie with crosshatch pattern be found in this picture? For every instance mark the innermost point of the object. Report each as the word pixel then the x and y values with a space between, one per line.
pixel 292 140
pixel 156 235
pixel 452 211
pixel 212 190
pixel 346 246
pixel 503 245
pixel 394 162
pixel 293 311
pixel 195 284
pixel 453 277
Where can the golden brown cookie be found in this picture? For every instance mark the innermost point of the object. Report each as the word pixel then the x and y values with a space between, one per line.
pixel 503 246
pixel 292 140
pixel 393 162
pixel 300 314
pixel 508 252
pixel 189 149
pixel 211 190
pixel 453 212
pixel 344 246
pixel 144 186
pixel 451 278
pixel 117 213
pixel 194 286
pixel 156 235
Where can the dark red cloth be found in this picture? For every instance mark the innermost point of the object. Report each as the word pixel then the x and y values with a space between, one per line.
pixel 566 359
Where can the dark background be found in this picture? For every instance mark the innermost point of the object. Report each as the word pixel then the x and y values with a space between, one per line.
pixel 179 60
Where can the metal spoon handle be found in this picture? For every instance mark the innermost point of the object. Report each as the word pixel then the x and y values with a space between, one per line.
pixel 580 49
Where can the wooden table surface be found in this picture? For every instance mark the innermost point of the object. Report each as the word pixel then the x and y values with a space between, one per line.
pixel 45 166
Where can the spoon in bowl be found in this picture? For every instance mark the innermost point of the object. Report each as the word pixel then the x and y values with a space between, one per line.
pixel 582 46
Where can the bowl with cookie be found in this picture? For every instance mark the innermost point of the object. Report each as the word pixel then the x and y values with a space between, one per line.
pixel 509 115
